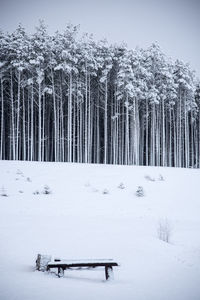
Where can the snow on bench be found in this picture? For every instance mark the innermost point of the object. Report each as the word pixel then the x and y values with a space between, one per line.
pixel 62 265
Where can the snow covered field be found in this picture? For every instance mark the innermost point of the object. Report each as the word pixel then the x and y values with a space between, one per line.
pixel 78 221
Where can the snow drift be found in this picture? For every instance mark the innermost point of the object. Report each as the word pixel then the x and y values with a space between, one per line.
pixel 77 219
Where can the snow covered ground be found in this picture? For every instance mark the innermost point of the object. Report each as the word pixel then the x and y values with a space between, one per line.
pixel 78 221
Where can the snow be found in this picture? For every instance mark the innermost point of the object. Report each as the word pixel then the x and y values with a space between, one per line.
pixel 78 221
pixel 81 261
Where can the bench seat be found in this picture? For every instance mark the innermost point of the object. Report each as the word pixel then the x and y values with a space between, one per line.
pixel 62 265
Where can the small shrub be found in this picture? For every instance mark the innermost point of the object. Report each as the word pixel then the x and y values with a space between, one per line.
pixel 19 172
pixel 28 179
pixel 149 178
pixel 164 230
pixel 161 178
pixel 140 191
pixel 3 192
pixel 121 186
pixel 87 184
pixel 21 192
pixel 36 192
pixel 105 191
pixel 46 190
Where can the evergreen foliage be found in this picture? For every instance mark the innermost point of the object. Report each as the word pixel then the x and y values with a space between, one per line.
pixel 68 98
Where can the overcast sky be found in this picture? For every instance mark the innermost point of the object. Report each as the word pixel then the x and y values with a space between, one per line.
pixel 174 24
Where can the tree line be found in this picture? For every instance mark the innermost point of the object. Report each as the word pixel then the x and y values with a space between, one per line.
pixel 66 97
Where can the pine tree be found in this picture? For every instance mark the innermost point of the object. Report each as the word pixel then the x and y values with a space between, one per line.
pixel 69 98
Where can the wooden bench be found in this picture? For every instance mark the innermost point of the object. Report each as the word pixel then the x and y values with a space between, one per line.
pixel 62 265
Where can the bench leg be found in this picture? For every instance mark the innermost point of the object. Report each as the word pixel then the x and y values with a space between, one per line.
pixel 60 272
pixel 38 262
pixel 109 273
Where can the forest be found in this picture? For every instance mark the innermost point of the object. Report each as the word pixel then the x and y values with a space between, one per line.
pixel 66 97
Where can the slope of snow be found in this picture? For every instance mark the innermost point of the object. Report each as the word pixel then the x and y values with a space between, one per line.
pixel 78 221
